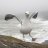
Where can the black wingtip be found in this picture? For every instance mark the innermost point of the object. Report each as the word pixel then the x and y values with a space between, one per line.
pixel 9 16
pixel 35 16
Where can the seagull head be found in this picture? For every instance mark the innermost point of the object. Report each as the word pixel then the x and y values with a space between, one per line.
pixel 27 13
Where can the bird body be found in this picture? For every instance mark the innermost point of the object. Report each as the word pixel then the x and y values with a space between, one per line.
pixel 26 26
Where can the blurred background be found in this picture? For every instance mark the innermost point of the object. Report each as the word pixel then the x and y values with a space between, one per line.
pixel 18 7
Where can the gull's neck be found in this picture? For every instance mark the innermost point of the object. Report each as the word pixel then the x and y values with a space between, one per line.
pixel 26 20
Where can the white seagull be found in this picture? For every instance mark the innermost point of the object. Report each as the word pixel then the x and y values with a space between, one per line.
pixel 26 27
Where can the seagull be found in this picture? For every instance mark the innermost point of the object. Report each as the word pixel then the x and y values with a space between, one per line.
pixel 26 27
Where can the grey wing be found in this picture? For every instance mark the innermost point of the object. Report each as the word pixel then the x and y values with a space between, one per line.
pixel 34 15
pixel 18 19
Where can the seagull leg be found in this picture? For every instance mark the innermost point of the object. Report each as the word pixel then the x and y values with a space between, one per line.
pixel 30 35
pixel 23 37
